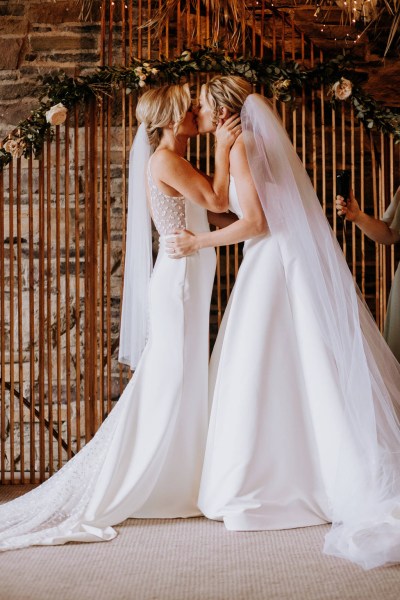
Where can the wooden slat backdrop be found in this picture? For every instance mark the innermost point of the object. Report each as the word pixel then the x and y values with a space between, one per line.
pixel 63 221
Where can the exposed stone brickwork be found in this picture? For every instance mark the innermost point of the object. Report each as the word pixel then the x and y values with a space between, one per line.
pixel 38 37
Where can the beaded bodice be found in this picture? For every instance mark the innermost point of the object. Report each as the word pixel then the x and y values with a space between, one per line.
pixel 168 211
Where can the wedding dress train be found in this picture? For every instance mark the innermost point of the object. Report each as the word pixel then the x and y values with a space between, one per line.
pixel 145 461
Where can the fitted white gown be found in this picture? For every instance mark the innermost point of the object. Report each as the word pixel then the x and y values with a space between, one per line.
pixel 145 461
pixel 271 445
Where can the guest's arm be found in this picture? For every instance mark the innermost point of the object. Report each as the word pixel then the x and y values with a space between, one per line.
pixel 377 230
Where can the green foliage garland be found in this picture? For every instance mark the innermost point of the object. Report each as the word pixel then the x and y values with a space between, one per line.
pixel 279 79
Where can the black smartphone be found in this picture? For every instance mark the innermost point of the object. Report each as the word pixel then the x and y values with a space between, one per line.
pixel 343 183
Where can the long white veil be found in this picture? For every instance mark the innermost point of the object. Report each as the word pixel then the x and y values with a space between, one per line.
pixel 138 257
pixel 365 484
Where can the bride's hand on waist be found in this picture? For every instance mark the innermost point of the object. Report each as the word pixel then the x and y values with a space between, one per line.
pixel 182 243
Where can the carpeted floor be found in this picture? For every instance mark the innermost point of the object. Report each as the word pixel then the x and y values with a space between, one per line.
pixel 191 559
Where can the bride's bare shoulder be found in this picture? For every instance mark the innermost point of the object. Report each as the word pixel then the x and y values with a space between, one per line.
pixel 165 158
pixel 237 157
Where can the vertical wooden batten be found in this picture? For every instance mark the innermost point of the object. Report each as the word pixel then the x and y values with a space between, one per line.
pixel 2 337
pixel 49 380
pixel 21 448
pixel 41 323
pixel 32 469
pixel 11 316
pixel 77 250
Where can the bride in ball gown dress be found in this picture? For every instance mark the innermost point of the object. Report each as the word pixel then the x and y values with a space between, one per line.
pixel 145 461
pixel 304 389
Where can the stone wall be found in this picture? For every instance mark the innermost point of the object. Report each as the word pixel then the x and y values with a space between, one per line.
pixel 38 37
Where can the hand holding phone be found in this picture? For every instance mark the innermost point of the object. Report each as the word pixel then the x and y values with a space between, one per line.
pixel 343 184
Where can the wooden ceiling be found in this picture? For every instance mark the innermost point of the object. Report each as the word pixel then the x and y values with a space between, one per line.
pixel 330 30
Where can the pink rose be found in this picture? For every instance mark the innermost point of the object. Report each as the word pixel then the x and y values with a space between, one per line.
pixel 15 147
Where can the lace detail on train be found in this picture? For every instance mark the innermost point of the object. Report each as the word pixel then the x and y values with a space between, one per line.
pixel 168 211
pixel 54 509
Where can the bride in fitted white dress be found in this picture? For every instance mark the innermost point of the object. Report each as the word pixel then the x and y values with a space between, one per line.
pixel 146 459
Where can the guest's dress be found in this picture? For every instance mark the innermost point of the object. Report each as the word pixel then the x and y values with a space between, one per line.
pixel 392 322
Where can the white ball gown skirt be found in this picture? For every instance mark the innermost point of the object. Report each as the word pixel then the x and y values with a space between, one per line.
pixel 281 450
pixel 145 461
pixel 272 443
pixel 304 425
pixel 269 432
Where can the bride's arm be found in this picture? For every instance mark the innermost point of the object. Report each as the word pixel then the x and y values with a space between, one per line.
pixel 252 224
pixel 221 219
pixel 218 219
pixel 178 174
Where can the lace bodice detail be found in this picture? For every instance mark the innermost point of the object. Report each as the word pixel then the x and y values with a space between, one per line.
pixel 168 212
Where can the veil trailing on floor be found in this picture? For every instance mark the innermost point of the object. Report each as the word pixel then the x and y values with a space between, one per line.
pixel 364 492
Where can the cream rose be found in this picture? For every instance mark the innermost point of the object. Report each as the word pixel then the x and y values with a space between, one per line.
pixel 15 148
pixel 342 89
pixel 57 114
pixel 186 55
pixel 282 84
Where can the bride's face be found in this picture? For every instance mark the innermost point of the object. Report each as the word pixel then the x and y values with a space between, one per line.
pixel 205 114
pixel 188 127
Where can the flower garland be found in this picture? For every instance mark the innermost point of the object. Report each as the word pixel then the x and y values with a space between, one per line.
pixel 59 93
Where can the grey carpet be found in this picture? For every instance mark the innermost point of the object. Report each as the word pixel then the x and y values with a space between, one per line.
pixel 193 559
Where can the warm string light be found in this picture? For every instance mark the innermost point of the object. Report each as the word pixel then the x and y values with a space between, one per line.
pixel 113 4
pixel 317 12
pixel 354 10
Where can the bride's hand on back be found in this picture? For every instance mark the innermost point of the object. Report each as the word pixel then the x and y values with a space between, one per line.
pixel 228 131
pixel 182 243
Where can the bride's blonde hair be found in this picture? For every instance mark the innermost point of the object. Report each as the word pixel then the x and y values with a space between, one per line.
pixel 159 107
pixel 227 91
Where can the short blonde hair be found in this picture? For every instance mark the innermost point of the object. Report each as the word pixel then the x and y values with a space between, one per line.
pixel 159 107
pixel 227 91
